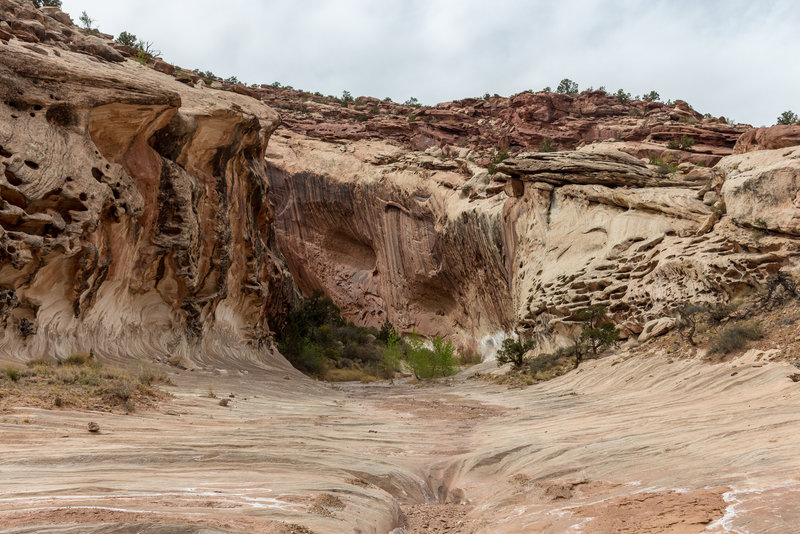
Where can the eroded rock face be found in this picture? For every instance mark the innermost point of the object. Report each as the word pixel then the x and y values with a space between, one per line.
pixel 135 214
pixel 392 241
pixel 770 138
pixel 762 189
pixel 521 122
pixel 441 246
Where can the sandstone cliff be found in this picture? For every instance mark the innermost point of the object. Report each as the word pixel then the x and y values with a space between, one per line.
pixel 432 242
pixel 519 123
pixel 135 211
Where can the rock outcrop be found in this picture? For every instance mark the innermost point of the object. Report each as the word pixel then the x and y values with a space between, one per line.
pixel 437 246
pixel 762 189
pixel 136 210
pixel 521 122
pixel 135 216
pixel 770 138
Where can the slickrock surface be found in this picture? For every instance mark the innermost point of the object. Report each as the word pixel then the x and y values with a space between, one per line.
pixel 135 215
pixel 629 443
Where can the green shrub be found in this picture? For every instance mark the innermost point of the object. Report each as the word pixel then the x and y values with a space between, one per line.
pixel 598 333
pixel 720 311
pixel 547 145
pixel 567 87
pixel 544 363
pixel 787 117
pixel 652 96
pixel 469 357
pixel 622 96
pixel 86 21
pixel 80 358
pixel 665 166
pixel 41 3
pixel 427 363
pixel 127 39
pixel 12 373
pixel 513 351
pixel 673 145
pixel 735 337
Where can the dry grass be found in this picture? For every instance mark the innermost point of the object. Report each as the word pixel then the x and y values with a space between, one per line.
pixel 349 375
pixel 79 382
pixel 468 358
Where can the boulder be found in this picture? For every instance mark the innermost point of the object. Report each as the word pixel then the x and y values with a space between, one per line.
pixel 657 327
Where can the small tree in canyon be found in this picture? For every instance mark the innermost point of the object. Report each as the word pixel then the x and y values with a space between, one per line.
pixel 513 352
pixel 598 333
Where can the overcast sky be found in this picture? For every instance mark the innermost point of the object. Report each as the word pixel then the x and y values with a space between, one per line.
pixel 737 58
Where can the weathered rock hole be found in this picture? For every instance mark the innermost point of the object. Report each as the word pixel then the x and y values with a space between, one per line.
pixel 97 173
pixel 37 107
pixel 5 153
pixel 32 114
pixel 83 196
pixel 61 115
pixel 13 197
pixel 31 164
pixel 12 178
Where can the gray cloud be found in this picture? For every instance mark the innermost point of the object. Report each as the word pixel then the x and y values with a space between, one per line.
pixel 726 57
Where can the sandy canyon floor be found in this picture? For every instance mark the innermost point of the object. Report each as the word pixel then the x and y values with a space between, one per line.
pixel 625 444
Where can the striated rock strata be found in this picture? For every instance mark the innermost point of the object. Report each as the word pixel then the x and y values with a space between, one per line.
pixel 435 244
pixel 135 216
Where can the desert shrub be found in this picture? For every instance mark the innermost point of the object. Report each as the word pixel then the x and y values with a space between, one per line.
pixel 686 142
pixel 127 39
pixel 148 376
pixel 787 117
pixel 86 21
pixel 718 312
pixel 80 358
pixel 547 145
pixel 317 341
pixel 597 335
pixel 665 166
pixel 735 337
pixel 622 96
pixel 567 87
pixel 513 351
pixel 652 96
pixel 42 3
pixel 544 363
pixel 688 316
pixel 12 373
pixel 469 357
pixel 427 363
pixel 500 156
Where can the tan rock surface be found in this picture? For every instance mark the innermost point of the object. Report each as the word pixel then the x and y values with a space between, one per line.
pixel 629 443
pixel 135 212
pixel 383 230
pixel 762 189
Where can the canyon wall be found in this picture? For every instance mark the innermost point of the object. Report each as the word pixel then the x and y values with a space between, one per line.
pixel 135 217
pixel 433 243
pixel 144 215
